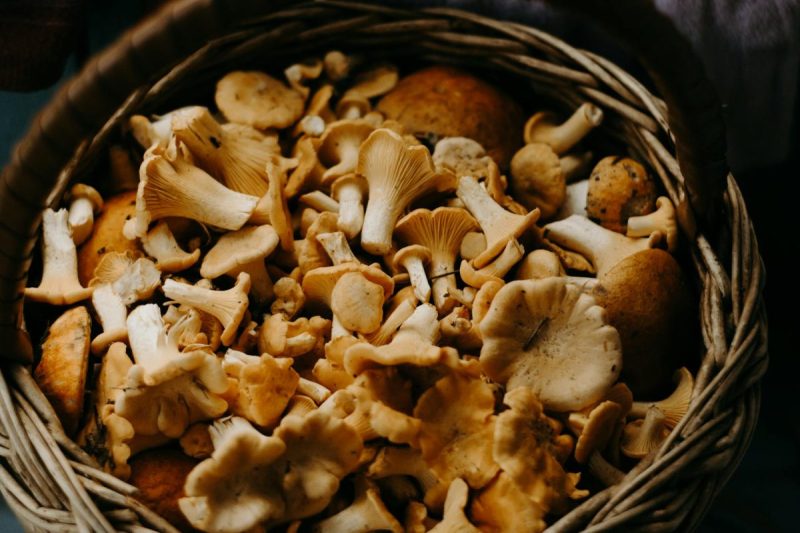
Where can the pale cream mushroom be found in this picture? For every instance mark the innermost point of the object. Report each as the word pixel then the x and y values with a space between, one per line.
pixel 472 245
pixel 550 336
pixel 310 253
pixel 179 189
pixel 543 128
pixel 602 247
pixel 279 215
pixel 413 259
pixel 662 220
pixel 307 175
pixel 643 436
pixel 441 231
pixel 283 338
pixel 462 157
pixel 339 147
pixel 243 250
pixel 234 489
pixel 454 520
pixel 673 406
pixel 320 201
pixel 499 226
pixel 300 74
pixel 339 65
pixel 367 513
pixel 258 100
pixel 350 191
pixel 337 247
pixel 84 203
pixel 495 270
pixel 112 314
pixel 397 175
pixel 540 264
pixel 358 302
pixel 160 244
pixel 575 201
pixel 289 297
pixel 396 317
pixel 59 284
pixel 157 132
pixel 226 306
pixel 369 84
pixel 394 461
pixel 233 153
pixel 382 397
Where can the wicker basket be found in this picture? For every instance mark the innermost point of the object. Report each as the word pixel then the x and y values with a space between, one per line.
pixel 52 485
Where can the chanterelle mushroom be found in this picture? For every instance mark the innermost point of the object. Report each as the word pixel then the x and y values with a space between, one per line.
pixel 397 174
pixel 441 231
pixel 339 147
pixel 160 244
pixel 59 285
pixel 258 100
pixel 366 513
pixel 547 335
pixel 455 521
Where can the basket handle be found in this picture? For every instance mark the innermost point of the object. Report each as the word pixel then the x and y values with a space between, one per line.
pixel 694 110
pixel 31 181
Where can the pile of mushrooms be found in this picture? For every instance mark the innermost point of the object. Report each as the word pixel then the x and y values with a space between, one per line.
pixel 351 330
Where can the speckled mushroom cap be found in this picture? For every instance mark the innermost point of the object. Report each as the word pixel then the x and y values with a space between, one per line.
pixel 619 188
pixel 439 102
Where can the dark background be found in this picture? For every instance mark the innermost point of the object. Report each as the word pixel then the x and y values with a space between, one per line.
pixel 764 492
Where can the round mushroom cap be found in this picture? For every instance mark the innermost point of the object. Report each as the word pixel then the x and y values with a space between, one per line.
pixel 238 248
pixel 358 303
pixel 82 190
pixel 647 299
pixel 441 101
pixel 160 475
pixel 258 100
pixel 537 179
pixel 619 188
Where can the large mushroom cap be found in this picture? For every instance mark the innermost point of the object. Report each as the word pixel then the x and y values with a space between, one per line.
pixel 538 179
pixel 258 100
pixel 441 102
pixel 237 249
pixel 548 335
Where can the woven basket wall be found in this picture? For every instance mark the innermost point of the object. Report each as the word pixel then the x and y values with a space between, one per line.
pixel 52 485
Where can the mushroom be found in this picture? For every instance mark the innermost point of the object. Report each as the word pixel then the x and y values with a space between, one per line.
pixel 179 189
pixel 196 442
pixel 538 179
pixel 393 461
pixel 498 225
pixel 350 191
pixel 603 248
pixel 382 398
pixel 112 314
pixel 157 132
pixel 441 231
pixel 462 157
pixel 396 317
pixel 458 330
pixel 550 336
pixel 331 375
pixel 472 245
pixel 503 506
pixel 226 306
pixel 648 300
pixel 543 128
pixel 366 513
pixel 234 489
pixel 243 250
pixel 258 100
pixel 594 429
pixel 673 406
pixel 233 153
pixel 61 372
pixel 643 436
pixel 416 518
pixel 310 253
pixel 301 73
pixel 313 390
pixel 337 247
pixel 619 188
pixel 289 297
pixel 84 203
pixel 454 520
pixel 59 284
pixel 282 338
pixel 307 175
pixel 661 220
pixel 339 147
pixel 529 447
pixel 397 175
pixel 413 258
pixel 338 65
pixel 575 201
pixel 458 422
pixel 414 343
pixel 263 386
pixel 160 244
pixel 369 84
pixel 540 264
pixel 495 270
pixel 319 201
pixel 167 390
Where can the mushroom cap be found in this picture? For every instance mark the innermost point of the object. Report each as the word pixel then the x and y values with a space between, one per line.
pixel 648 301
pixel 112 266
pixel 82 190
pixel 641 437
pixel 340 137
pixel 264 387
pixel 235 249
pixel 597 430
pixel 61 372
pixel 440 230
pixel 423 253
pixel 358 302
pixel 547 335
pixel 106 234
pixel 318 284
pixel 462 157
pixel 619 188
pixel 439 101
pixel 376 81
pixel 258 100
pixel 537 179
pixel 160 475
pixel 503 506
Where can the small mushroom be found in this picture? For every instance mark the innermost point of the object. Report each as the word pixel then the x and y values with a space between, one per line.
pixel 157 132
pixel 495 270
pixel 59 284
pixel 299 74
pixel 538 179
pixel 673 406
pixel 498 225
pixel 540 264
pixel 441 231
pixel 350 191
pixel 282 338
pixel 243 250
pixel 366 513
pixel 394 461
pixel 320 201
pixel 594 429
pixel 413 258
pixel 338 65
pixel 396 317
pixel 226 306
pixel 603 248
pixel 472 245
pixel 279 215
pixel 258 100
pixel 643 436
pixel 369 84
pixel 662 220
pixel 454 520
pixel 196 442
pixel 337 247
pixel 84 203
pixel 503 506
pixel 550 336
pixel 619 188
pixel 575 201
pixel 543 128
pixel 307 175
pixel 61 372
pixel 160 244
pixel 397 175
pixel 339 147
pixel 462 157
pixel 289 297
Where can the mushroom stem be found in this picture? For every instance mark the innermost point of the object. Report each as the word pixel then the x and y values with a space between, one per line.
pixel 350 194
pixel 337 247
pixel 60 284
pixel 367 513
pixel 260 281
pixel 376 232
pixel 662 220
pixel 603 471
pixel 574 166
pixel 564 136
pixel 81 219
pixel 498 224
pixel 320 201
pixel 675 405
pixel 160 244
pixel 313 390
pixel 416 272
pixel 112 314
pixel 392 323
